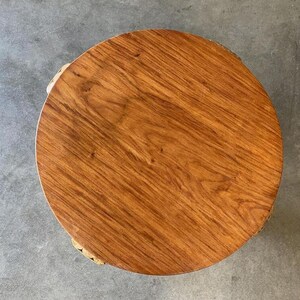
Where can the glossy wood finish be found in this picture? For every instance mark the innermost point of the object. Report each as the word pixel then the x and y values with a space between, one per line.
pixel 159 152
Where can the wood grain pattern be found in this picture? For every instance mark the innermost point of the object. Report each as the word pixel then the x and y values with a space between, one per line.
pixel 159 152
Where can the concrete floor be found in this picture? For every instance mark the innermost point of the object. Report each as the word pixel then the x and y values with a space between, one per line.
pixel 37 37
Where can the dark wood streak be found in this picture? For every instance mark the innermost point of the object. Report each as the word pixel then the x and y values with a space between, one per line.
pixel 159 152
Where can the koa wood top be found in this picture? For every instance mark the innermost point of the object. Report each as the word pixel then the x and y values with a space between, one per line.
pixel 159 152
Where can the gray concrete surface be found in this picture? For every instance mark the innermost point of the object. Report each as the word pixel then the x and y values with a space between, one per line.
pixel 37 260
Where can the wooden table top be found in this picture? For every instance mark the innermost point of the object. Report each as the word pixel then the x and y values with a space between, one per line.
pixel 159 152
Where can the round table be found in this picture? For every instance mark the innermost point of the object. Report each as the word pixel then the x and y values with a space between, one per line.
pixel 159 152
